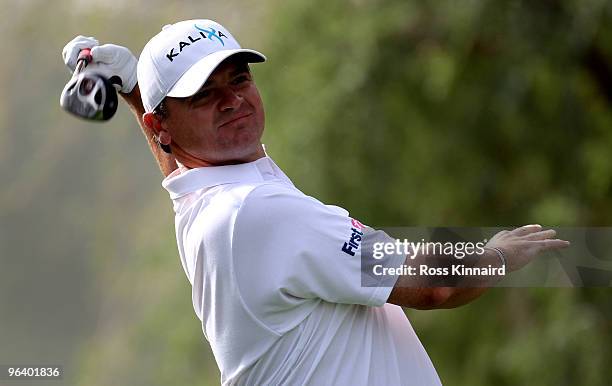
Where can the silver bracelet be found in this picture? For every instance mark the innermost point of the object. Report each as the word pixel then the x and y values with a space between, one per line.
pixel 500 253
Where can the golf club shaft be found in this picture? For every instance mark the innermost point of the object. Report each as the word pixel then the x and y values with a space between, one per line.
pixel 83 60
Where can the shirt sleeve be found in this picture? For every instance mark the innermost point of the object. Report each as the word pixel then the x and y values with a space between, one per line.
pixel 289 247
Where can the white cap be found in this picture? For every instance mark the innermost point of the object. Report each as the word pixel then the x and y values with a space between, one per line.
pixel 177 61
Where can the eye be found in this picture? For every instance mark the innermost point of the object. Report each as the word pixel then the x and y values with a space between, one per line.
pixel 201 95
pixel 240 79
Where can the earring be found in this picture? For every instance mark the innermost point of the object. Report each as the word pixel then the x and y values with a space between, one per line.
pixel 165 148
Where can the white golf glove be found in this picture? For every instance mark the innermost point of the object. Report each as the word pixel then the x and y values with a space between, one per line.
pixel 110 60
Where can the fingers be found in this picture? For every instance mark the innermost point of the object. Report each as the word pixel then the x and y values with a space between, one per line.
pixel 111 54
pixel 546 245
pixel 527 229
pixel 106 53
pixel 71 50
pixel 542 239
pixel 542 235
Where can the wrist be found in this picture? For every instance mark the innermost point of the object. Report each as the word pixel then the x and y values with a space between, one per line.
pixel 133 98
pixel 499 255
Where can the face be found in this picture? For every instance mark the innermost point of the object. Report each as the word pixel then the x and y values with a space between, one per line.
pixel 221 124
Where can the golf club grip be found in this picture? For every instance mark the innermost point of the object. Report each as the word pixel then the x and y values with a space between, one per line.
pixel 83 60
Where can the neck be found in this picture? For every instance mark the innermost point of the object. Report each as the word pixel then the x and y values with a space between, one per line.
pixel 190 161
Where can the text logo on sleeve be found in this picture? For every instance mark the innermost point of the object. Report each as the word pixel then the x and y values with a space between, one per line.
pixel 355 240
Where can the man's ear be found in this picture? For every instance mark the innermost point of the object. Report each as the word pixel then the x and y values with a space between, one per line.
pixel 154 123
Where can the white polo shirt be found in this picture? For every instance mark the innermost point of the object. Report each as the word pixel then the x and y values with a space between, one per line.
pixel 277 286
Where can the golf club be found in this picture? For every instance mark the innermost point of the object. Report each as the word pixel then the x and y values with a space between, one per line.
pixel 89 95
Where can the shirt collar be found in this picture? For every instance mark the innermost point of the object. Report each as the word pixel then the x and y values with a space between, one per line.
pixel 183 181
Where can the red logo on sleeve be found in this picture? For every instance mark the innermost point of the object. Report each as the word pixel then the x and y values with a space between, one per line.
pixel 357 224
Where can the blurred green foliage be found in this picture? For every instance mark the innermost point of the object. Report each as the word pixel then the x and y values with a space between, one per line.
pixel 463 113
pixel 407 113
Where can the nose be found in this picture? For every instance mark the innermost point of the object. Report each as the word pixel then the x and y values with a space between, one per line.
pixel 230 100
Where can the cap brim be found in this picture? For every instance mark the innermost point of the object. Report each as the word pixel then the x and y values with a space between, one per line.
pixel 193 79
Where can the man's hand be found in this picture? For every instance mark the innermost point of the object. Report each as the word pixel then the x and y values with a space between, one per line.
pixel 521 245
pixel 114 62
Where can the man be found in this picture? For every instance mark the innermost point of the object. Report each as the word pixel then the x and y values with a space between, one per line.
pixel 276 274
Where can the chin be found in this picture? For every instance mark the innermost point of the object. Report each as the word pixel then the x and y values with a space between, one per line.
pixel 247 137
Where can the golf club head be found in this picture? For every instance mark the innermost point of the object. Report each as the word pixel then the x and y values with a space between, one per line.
pixel 91 96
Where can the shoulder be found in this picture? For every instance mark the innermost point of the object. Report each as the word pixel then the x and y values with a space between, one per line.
pixel 276 204
pixel 285 219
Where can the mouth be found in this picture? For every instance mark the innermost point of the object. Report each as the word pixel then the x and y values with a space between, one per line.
pixel 235 119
